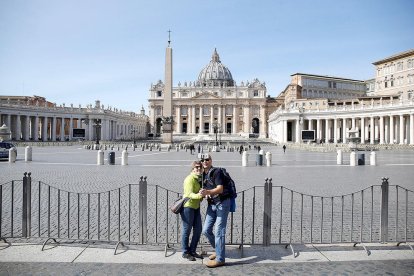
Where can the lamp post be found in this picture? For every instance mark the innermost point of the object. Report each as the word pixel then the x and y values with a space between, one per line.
pixel 133 131
pixel 97 125
pixel 216 128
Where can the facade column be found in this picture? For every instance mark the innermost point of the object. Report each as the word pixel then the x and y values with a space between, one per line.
pixel 392 127
pixel 386 130
pixel 411 129
pixel 193 122
pixel 362 130
pixel 263 124
pixel 90 130
pixel 235 121
pixel 401 129
pixel 211 130
pixel 344 130
pixel 220 117
pixel 246 119
pixel 297 130
pixel 372 130
pixel 201 126
pixel 178 119
pixel 381 130
pixel 224 122
pixel 335 131
pixel 8 121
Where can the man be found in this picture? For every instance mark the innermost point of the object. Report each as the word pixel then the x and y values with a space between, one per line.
pixel 217 211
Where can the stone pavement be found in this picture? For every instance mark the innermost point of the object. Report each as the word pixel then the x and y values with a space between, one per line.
pixel 83 259
pixel 74 168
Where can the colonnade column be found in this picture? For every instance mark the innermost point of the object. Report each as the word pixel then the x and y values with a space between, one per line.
pixel 335 131
pixel 298 131
pixel 344 130
pixel 246 119
pixel 401 129
pixel 381 130
pixel 36 129
pixel 54 129
pixel 411 129
pixel 318 129
pixel 62 128
pixel 44 129
pixel 372 131
pixel 18 127
pixel 26 132
pixel 362 130
pixel 70 128
pixel 391 129
pixel 327 133
pixel 284 131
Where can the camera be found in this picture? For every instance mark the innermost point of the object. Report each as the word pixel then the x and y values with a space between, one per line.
pixel 202 156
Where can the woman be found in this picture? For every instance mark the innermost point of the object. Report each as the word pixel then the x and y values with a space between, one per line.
pixel 190 215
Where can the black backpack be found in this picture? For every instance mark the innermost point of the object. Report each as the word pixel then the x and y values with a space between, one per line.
pixel 229 185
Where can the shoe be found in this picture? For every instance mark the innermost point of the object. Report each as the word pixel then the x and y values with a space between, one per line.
pixel 212 256
pixel 214 263
pixel 196 255
pixel 189 257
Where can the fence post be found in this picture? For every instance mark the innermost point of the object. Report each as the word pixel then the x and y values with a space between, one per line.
pixel 384 209
pixel 27 207
pixel 143 208
pixel 267 212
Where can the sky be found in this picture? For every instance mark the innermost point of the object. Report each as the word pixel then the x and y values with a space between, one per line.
pixel 80 51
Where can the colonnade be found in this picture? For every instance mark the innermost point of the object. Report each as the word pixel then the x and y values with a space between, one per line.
pixel 41 127
pixel 371 129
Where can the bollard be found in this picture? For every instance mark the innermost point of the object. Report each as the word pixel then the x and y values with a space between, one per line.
pixel 339 157
pixel 100 159
pixel 12 155
pixel 111 158
pixel 177 148
pixel 124 158
pixel 352 159
pixel 28 154
pixel 268 159
pixel 373 159
pixel 245 159
pixel 259 158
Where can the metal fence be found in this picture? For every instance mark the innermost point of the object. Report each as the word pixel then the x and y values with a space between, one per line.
pixel 269 214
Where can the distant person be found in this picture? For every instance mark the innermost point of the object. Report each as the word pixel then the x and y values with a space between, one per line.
pixel 284 148
pixel 191 148
pixel 198 148
pixel 258 148
pixel 191 215
pixel 241 149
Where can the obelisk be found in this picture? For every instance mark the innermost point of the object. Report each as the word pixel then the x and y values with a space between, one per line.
pixel 167 122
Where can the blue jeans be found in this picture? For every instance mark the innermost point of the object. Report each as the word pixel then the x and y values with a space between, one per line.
pixel 191 219
pixel 217 214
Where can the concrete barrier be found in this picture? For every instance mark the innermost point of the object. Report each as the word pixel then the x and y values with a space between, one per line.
pixel 352 159
pixel 339 157
pixel 12 155
pixel 245 159
pixel 100 157
pixel 124 161
pixel 373 159
pixel 268 159
pixel 28 154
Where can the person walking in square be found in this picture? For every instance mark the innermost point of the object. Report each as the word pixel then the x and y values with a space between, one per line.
pixel 284 148
pixel 190 215
pixel 217 211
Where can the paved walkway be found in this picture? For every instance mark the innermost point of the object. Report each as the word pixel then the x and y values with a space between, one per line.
pixel 74 169
pixel 88 259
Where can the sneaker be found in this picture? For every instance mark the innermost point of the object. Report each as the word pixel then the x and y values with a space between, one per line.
pixel 214 263
pixel 188 257
pixel 196 255
pixel 212 256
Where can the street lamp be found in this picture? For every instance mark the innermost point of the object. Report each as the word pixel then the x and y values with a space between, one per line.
pixel 216 128
pixel 133 132
pixel 97 125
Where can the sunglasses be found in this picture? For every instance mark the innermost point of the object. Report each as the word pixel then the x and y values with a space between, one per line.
pixel 197 167
pixel 207 159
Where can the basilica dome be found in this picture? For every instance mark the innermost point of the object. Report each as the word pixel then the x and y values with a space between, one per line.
pixel 215 73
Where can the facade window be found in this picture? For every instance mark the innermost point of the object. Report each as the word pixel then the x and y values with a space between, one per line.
pixel 159 93
pixel 206 111
pixel 184 111
pixel 410 63
pixel 400 66
pixel 229 110
pixel 184 94
pixel 228 93
pixel 255 93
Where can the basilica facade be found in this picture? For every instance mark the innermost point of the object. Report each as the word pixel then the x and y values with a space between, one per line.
pixel 214 103
pixel 376 111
